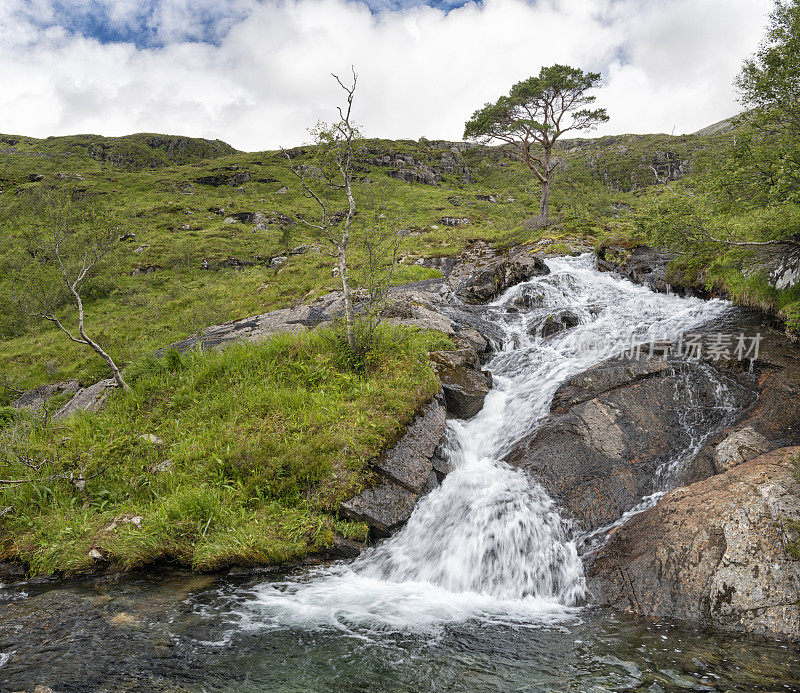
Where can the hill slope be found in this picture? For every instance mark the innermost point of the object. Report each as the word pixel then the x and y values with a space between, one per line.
pixel 203 227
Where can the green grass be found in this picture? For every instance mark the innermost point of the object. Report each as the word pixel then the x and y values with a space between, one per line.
pixel 254 447
pixel 181 233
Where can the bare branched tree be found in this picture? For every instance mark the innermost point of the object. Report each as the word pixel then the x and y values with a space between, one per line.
pixel 335 154
pixel 66 241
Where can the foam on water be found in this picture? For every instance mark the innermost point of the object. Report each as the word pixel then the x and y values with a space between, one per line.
pixel 489 543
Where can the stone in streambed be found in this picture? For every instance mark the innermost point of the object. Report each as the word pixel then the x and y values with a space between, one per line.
pixel 464 384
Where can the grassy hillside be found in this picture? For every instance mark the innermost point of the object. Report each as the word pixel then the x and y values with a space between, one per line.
pixel 243 456
pixel 235 457
pixel 25 157
pixel 200 223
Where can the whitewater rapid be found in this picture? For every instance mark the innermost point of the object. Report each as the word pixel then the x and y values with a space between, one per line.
pixel 489 543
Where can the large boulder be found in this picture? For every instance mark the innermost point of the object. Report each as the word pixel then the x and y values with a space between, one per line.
pixel 739 446
pixel 613 428
pixel 87 399
pixel 402 474
pixel 408 307
pixel 640 264
pixel 482 273
pixel 716 552
pixel 464 384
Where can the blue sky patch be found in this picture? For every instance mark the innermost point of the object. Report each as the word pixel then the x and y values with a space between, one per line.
pixel 154 23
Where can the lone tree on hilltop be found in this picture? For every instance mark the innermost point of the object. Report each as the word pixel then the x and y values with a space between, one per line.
pixel 536 112
pixel 64 243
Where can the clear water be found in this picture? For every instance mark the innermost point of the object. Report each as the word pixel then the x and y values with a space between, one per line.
pixel 188 634
pixel 483 589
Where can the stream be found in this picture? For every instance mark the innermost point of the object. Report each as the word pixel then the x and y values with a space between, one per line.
pixel 482 590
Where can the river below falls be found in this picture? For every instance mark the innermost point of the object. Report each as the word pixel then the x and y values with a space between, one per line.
pixel 482 589
pixel 197 634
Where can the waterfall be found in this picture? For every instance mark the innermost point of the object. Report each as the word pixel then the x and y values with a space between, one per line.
pixel 489 543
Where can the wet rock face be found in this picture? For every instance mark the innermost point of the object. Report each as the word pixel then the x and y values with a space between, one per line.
pixel 641 265
pixel 612 427
pixel 714 553
pixel 482 274
pixel 464 384
pixel 404 473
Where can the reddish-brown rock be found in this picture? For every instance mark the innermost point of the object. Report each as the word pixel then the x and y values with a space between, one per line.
pixel 717 552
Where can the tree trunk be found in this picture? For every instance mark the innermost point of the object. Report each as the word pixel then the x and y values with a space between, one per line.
pixel 544 203
pixel 341 251
pixel 341 260
pixel 113 366
pixel 94 345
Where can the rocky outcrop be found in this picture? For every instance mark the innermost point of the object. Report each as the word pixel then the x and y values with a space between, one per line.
pixel 612 427
pixel 454 221
pixel 227 176
pixel 87 399
pixel 482 273
pixel 260 327
pixel 780 263
pixel 464 383
pixel 431 170
pixel 36 398
pixel 422 175
pixel 640 264
pixel 403 474
pixel 713 553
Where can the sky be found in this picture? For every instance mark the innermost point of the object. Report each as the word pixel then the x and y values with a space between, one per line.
pixel 257 73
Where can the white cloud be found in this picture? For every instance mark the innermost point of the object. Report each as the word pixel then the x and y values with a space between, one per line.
pixel 667 65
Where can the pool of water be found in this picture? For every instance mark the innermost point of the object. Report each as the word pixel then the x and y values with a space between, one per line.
pixel 189 633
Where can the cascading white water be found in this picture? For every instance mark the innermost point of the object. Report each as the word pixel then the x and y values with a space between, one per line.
pixel 489 542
